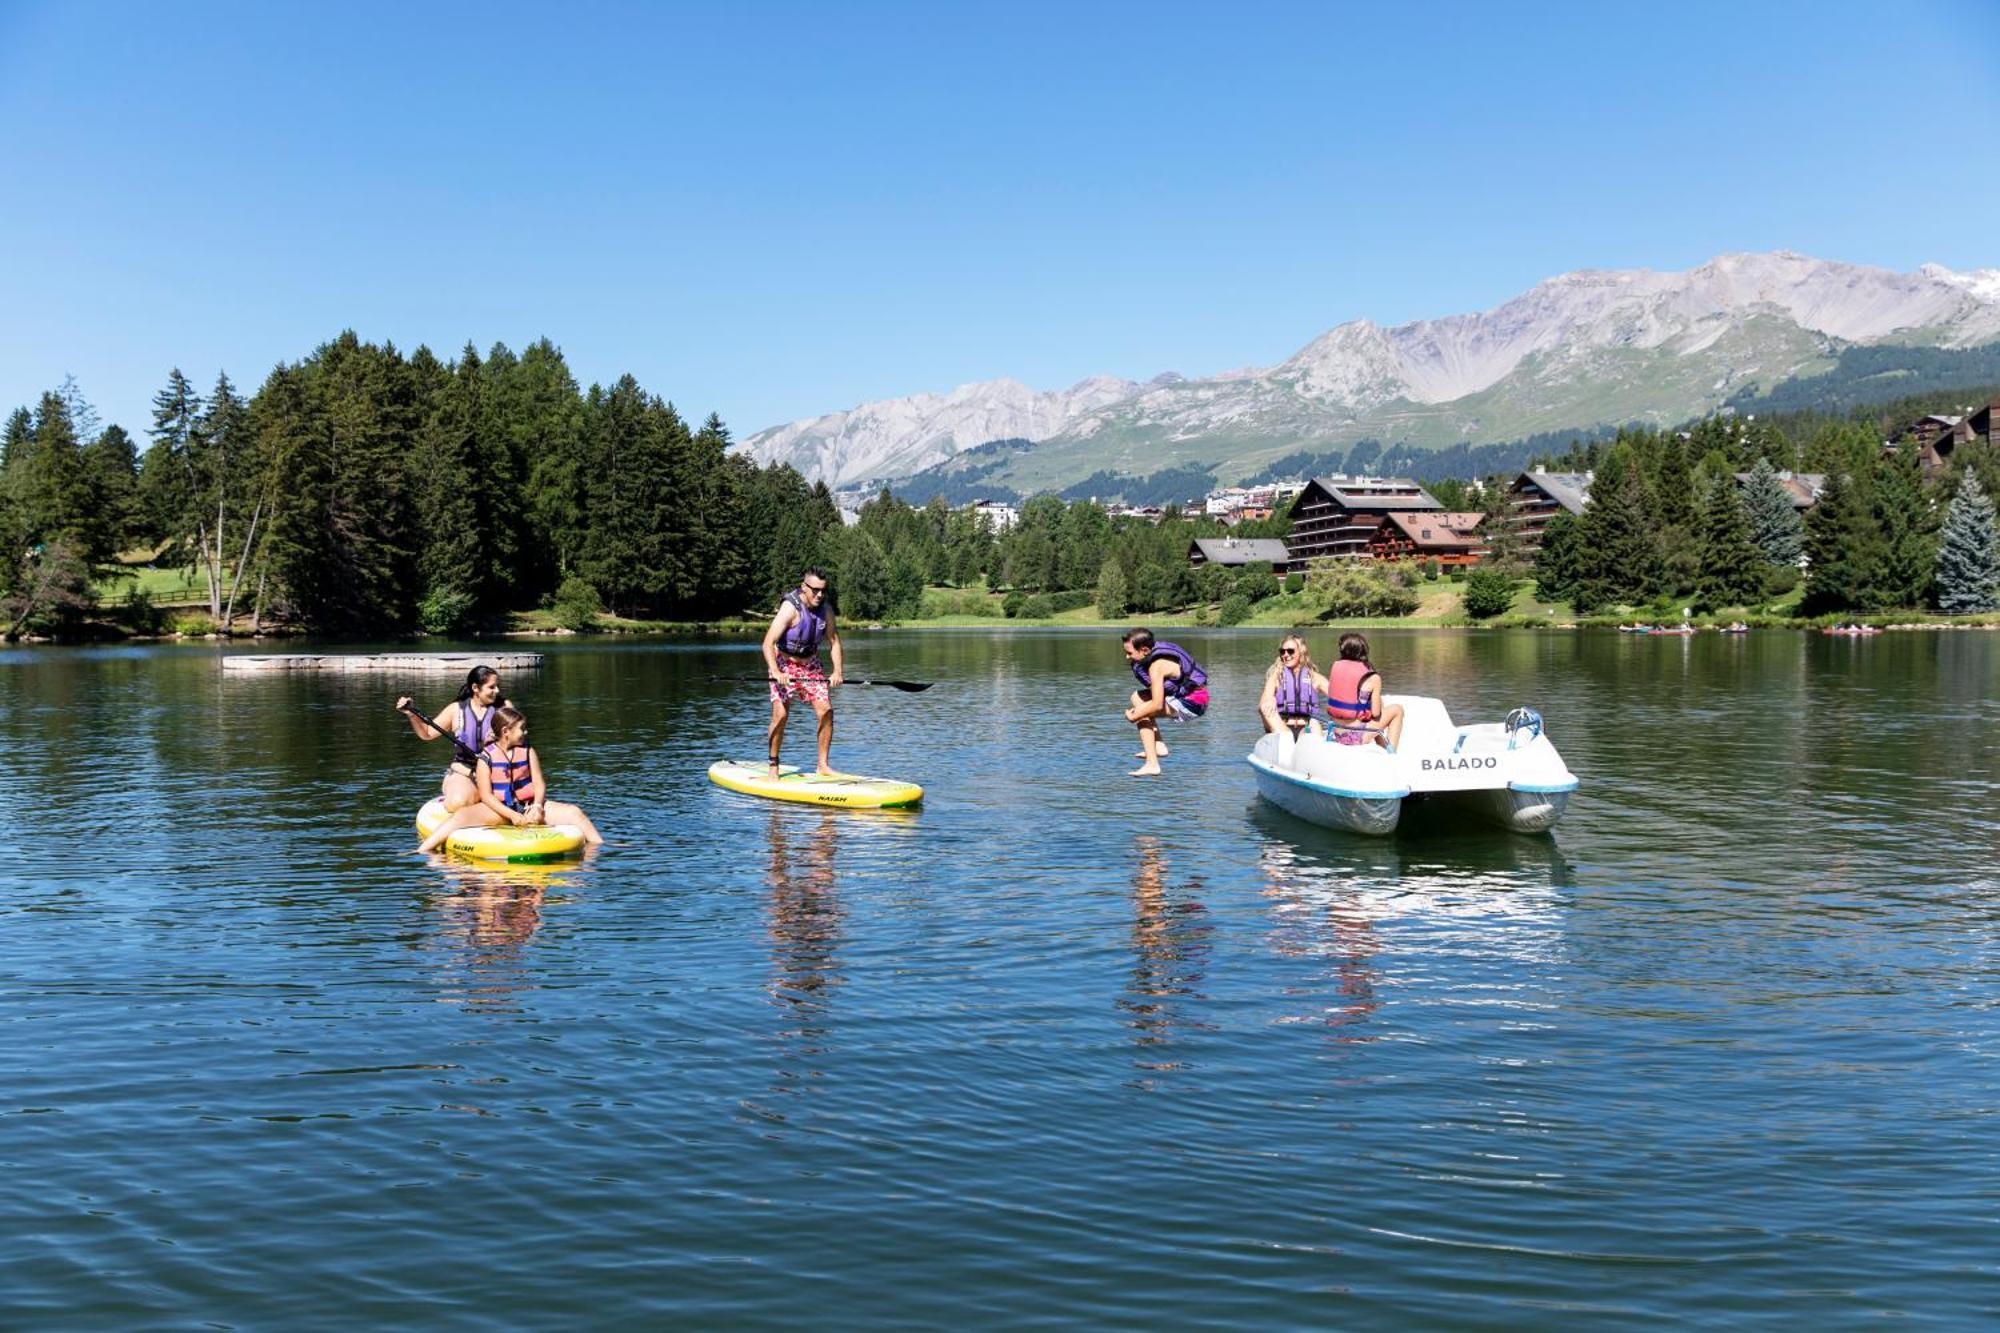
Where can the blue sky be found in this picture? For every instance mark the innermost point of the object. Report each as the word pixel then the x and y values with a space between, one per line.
pixel 774 210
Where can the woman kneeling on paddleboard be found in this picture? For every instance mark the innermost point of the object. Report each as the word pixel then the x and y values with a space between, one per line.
pixel 511 788
pixel 468 720
pixel 1171 684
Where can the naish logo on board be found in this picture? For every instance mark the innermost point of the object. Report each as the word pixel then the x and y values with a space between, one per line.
pixel 1459 762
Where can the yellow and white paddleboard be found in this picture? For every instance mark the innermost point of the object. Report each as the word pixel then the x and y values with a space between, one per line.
pixel 503 842
pixel 840 789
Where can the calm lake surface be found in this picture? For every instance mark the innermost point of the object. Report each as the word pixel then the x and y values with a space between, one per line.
pixel 1062 1048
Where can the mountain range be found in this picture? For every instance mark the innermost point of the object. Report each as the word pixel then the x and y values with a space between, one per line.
pixel 1580 351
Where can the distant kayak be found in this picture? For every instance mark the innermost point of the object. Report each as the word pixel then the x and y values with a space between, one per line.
pixel 792 784
pixel 503 842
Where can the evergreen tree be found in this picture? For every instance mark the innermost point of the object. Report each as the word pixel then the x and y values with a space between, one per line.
pixel 906 584
pixel 542 422
pixel 864 579
pixel 1112 601
pixel 14 440
pixel 456 545
pixel 168 486
pixel 1906 553
pixel 113 465
pixel 1617 559
pixel 1968 562
pixel 83 418
pixel 723 567
pixel 1774 521
pixel 55 495
pixel 1672 488
pixel 1557 564
pixel 222 467
pixel 1504 550
pixel 293 435
pixel 1731 568
pixel 1842 545
pixel 625 555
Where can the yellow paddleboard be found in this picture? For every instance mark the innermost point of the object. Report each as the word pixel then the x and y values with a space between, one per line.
pixel 503 842
pixel 841 789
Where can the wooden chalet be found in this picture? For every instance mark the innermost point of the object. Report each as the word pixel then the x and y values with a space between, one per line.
pixel 1340 516
pixel 1936 438
pixel 1984 423
pixel 1236 552
pixel 1537 497
pixel 1447 537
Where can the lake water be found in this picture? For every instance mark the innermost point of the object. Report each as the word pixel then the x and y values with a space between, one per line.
pixel 1062 1048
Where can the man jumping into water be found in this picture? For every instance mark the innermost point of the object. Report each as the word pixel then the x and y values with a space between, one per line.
pixel 791 660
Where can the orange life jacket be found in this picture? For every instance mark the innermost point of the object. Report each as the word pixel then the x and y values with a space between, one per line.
pixel 1344 700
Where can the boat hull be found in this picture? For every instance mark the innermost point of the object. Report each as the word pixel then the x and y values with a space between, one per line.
pixel 1318 804
pixel 1486 773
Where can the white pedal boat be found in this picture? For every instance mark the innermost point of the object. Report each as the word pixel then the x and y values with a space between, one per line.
pixel 1504 772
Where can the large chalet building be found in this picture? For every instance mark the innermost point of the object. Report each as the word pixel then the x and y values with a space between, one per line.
pixel 1446 537
pixel 1937 437
pixel 1537 497
pixel 1341 515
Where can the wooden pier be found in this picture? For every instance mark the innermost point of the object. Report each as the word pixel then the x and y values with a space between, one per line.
pixel 461 662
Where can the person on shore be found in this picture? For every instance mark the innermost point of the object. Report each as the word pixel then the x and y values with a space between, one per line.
pixel 791 660
pixel 468 720
pixel 511 788
pixel 1171 684
pixel 1354 699
pixel 1293 689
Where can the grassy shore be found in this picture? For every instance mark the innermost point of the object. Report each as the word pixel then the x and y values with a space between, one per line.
pixel 180 600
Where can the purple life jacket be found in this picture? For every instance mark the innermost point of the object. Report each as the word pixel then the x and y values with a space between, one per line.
pixel 1192 677
pixel 801 637
pixel 1296 696
pixel 473 732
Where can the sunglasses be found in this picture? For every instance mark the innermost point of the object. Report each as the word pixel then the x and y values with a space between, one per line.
pixel 1288 652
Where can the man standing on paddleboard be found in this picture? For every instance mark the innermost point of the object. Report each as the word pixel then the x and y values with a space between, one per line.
pixel 791 659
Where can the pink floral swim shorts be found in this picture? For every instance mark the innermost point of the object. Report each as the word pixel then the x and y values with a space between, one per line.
pixel 805 677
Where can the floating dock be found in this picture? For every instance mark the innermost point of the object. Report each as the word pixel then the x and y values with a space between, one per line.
pixel 381 662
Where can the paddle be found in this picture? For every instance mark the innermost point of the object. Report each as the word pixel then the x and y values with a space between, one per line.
pixel 460 749
pixel 906 686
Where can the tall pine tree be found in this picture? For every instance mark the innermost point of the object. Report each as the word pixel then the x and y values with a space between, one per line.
pixel 1842 544
pixel 1906 553
pixel 1968 562
pixel 1731 568
pixel 1774 520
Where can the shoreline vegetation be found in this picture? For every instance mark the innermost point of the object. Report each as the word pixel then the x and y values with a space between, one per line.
pixel 362 493
pixel 1441 607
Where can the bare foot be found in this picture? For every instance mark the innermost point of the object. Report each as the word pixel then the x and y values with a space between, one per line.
pixel 1145 771
pixel 1141 754
pixel 826 772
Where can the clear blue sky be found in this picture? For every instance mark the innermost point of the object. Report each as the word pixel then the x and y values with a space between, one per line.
pixel 776 210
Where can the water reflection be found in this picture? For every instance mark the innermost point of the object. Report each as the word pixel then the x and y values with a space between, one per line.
pixel 486 919
pixel 806 922
pixel 1170 945
pixel 1432 874
pixel 1310 923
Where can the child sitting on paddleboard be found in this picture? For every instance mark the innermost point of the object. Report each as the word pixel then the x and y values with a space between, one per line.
pixel 1354 699
pixel 511 788
pixel 1171 684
